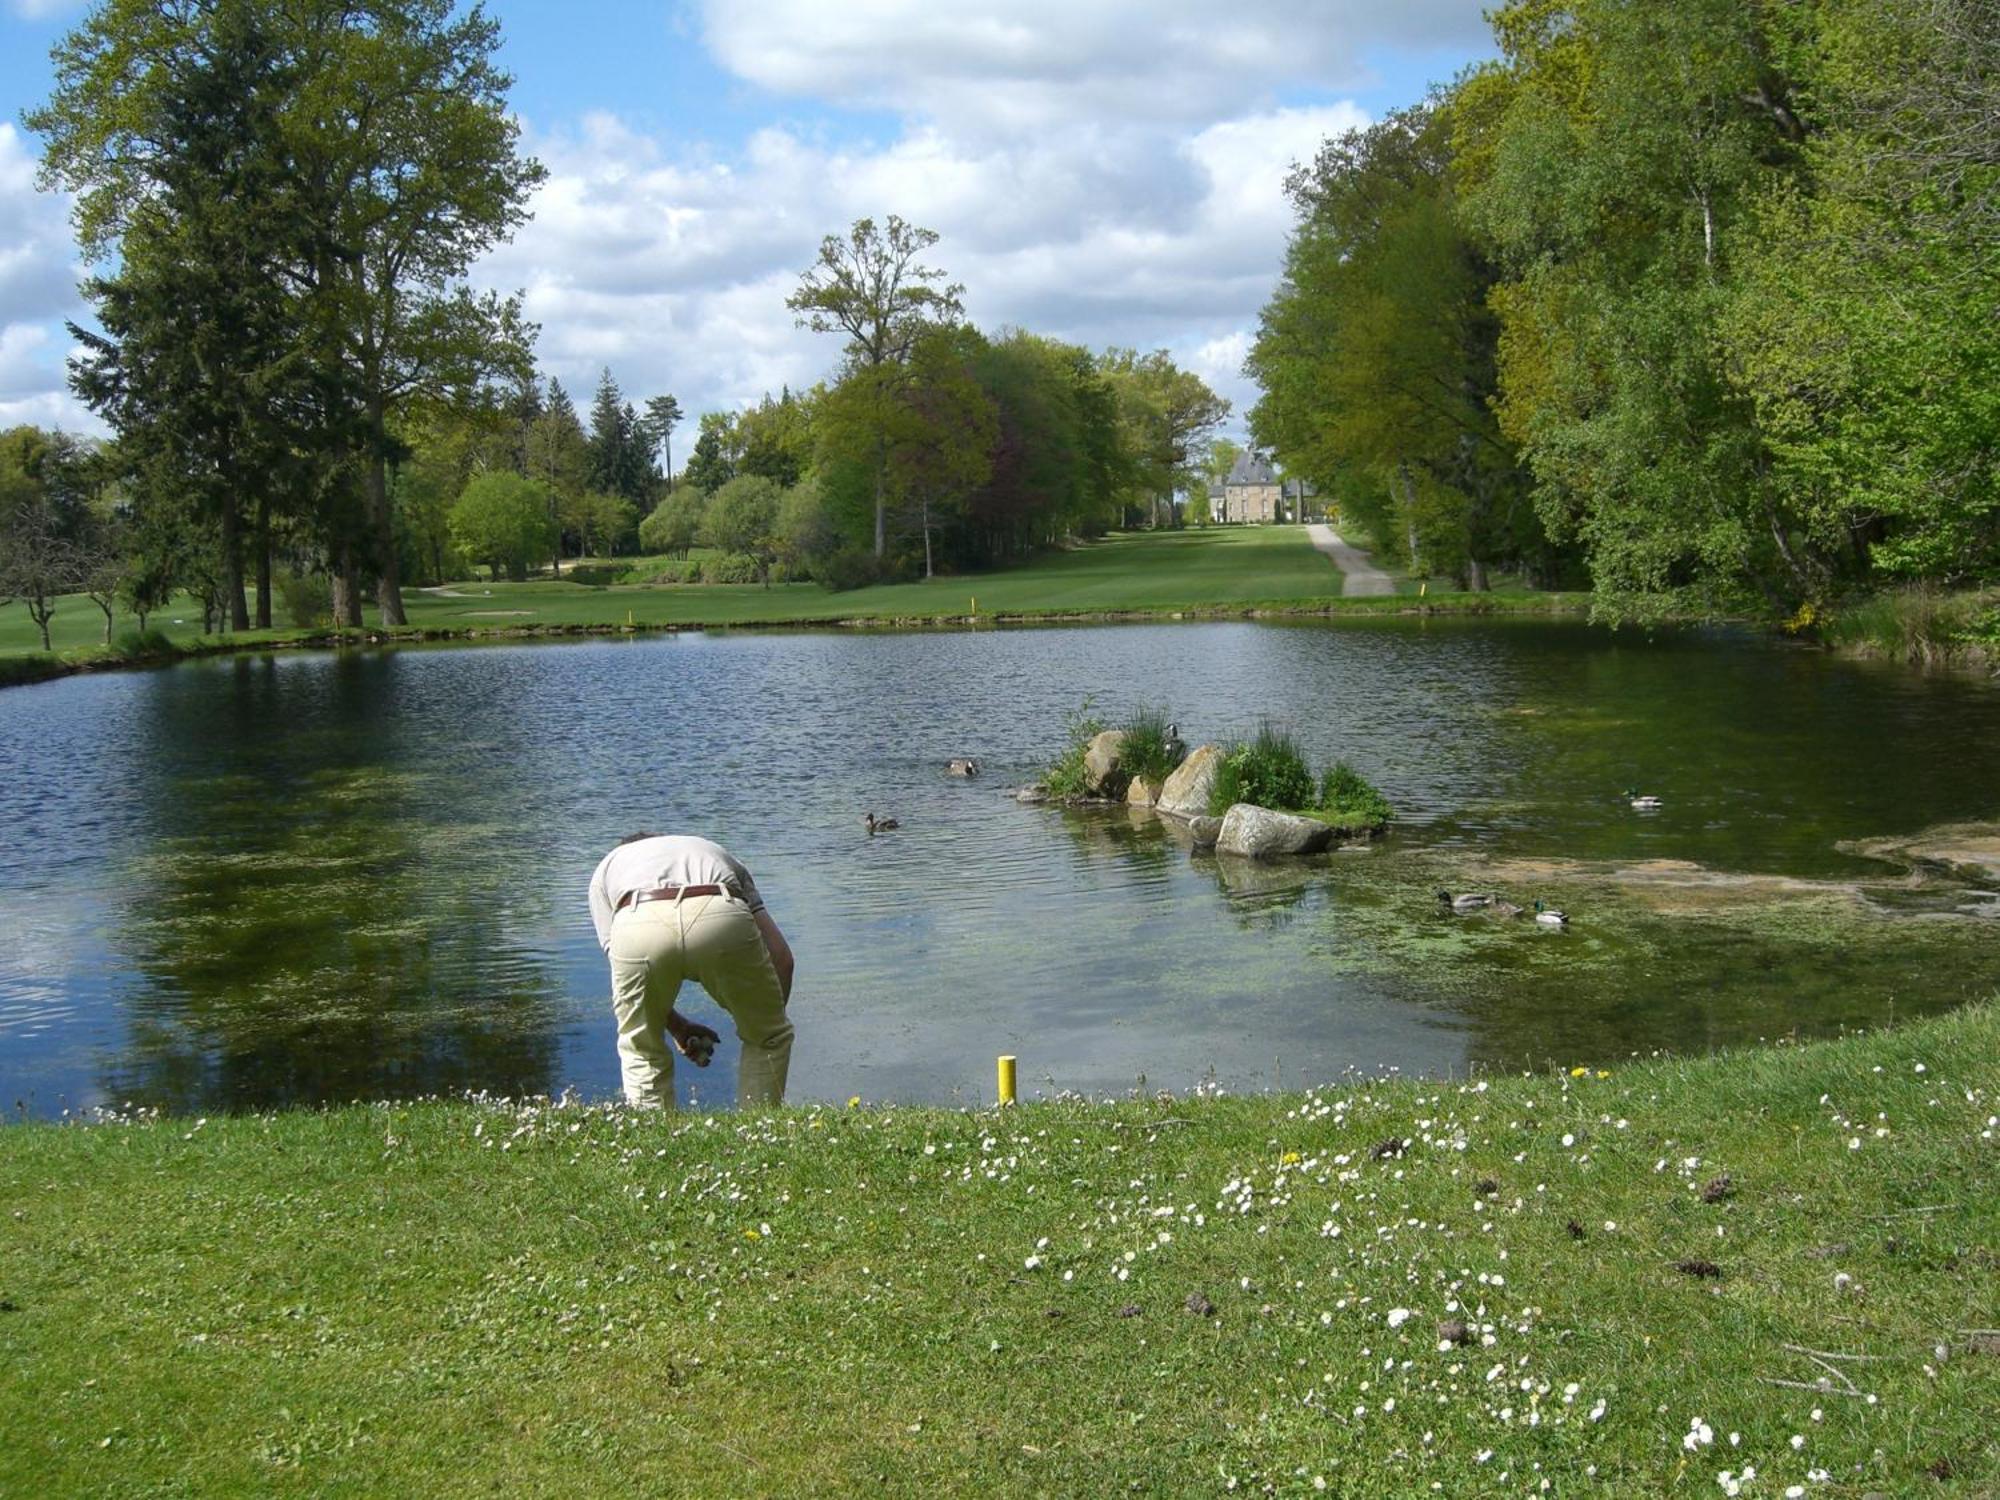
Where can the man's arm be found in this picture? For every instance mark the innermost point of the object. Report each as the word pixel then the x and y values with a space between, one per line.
pixel 600 904
pixel 779 949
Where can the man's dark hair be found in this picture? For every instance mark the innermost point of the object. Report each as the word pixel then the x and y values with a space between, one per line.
pixel 633 838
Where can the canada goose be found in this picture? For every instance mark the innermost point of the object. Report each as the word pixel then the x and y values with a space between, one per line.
pixel 1548 916
pixel 963 765
pixel 1463 905
pixel 1647 803
pixel 881 825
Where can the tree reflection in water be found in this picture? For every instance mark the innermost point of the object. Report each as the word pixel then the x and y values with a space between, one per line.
pixel 311 922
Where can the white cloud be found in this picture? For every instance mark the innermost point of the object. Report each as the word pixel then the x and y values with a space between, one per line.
pixel 673 271
pixel 1110 173
pixel 38 275
pixel 1048 62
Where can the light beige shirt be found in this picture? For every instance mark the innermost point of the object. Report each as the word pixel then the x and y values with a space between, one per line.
pixel 671 859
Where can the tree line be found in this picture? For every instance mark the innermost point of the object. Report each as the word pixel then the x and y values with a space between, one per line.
pixel 306 396
pixel 1694 302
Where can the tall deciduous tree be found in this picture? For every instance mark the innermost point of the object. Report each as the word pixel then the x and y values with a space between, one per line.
pixel 397 153
pixel 870 287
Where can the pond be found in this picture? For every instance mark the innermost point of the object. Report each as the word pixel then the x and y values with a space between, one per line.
pixel 266 880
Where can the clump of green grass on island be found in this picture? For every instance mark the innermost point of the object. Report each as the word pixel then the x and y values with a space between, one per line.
pixel 1770 1270
pixel 1270 770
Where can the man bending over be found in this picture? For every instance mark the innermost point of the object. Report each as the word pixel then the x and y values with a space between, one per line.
pixel 669 908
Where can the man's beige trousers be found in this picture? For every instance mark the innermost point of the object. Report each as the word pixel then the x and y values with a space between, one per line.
pixel 714 941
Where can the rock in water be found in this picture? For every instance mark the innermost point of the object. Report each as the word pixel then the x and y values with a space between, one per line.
pixel 1185 793
pixel 1260 833
pixel 1205 830
pixel 1141 793
pixel 1102 771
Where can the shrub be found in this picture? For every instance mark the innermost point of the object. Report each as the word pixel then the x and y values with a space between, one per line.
pixel 1066 777
pixel 735 568
pixel 1351 798
pixel 849 568
pixel 308 601
pixel 674 522
pixel 1268 771
pixel 1149 750
pixel 149 642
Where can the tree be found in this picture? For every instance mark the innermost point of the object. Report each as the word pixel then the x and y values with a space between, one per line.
pixel 1614 193
pixel 1863 330
pixel 741 519
pixel 710 467
pixel 621 451
pixel 776 439
pixel 674 523
pixel 804 534
pixel 503 521
pixel 396 151
pixel 604 523
pixel 194 360
pixel 1168 412
pixel 559 454
pixel 870 287
pixel 940 435
pixel 39 561
pixel 1377 353
pixel 663 415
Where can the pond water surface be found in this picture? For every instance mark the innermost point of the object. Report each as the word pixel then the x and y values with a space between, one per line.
pixel 264 880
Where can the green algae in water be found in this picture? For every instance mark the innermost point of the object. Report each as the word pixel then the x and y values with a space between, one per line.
pixel 1700 960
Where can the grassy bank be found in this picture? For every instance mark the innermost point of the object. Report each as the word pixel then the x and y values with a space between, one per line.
pixel 1619 1285
pixel 1921 626
pixel 1215 573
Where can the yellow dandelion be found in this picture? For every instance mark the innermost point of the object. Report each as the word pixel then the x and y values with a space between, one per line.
pixel 1290 1159
pixel 854 1101
pixel 1579 1072
pixel 751 1234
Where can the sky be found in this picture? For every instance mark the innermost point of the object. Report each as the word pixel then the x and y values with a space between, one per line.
pixel 1108 172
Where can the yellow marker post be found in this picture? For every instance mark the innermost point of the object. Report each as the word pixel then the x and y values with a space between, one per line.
pixel 1423 589
pixel 975 604
pixel 1007 1078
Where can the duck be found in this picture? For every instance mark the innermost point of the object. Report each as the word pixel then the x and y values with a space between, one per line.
pixel 881 825
pixel 1647 803
pixel 1501 908
pixel 1548 916
pixel 963 765
pixel 1464 904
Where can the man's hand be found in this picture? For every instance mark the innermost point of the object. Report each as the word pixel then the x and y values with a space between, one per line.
pixel 692 1040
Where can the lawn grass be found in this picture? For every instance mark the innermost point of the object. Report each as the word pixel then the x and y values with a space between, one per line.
pixel 1233 570
pixel 1153 1296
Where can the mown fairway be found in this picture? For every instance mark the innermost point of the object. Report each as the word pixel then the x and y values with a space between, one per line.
pixel 1773 1271
pixel 1237 567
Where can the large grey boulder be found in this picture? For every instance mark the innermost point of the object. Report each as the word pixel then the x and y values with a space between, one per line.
pixel 1259 833
pixel 1103 772
pixel 1185 793
pixel 1141 793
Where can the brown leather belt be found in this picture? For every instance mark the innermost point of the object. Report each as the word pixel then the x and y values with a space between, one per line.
pixel 669 893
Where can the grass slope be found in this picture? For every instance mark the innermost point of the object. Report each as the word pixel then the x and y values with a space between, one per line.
pixel 482 1297
pixel 1230 569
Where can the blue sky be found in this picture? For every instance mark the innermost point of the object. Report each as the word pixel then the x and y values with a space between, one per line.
pixel 1102 170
